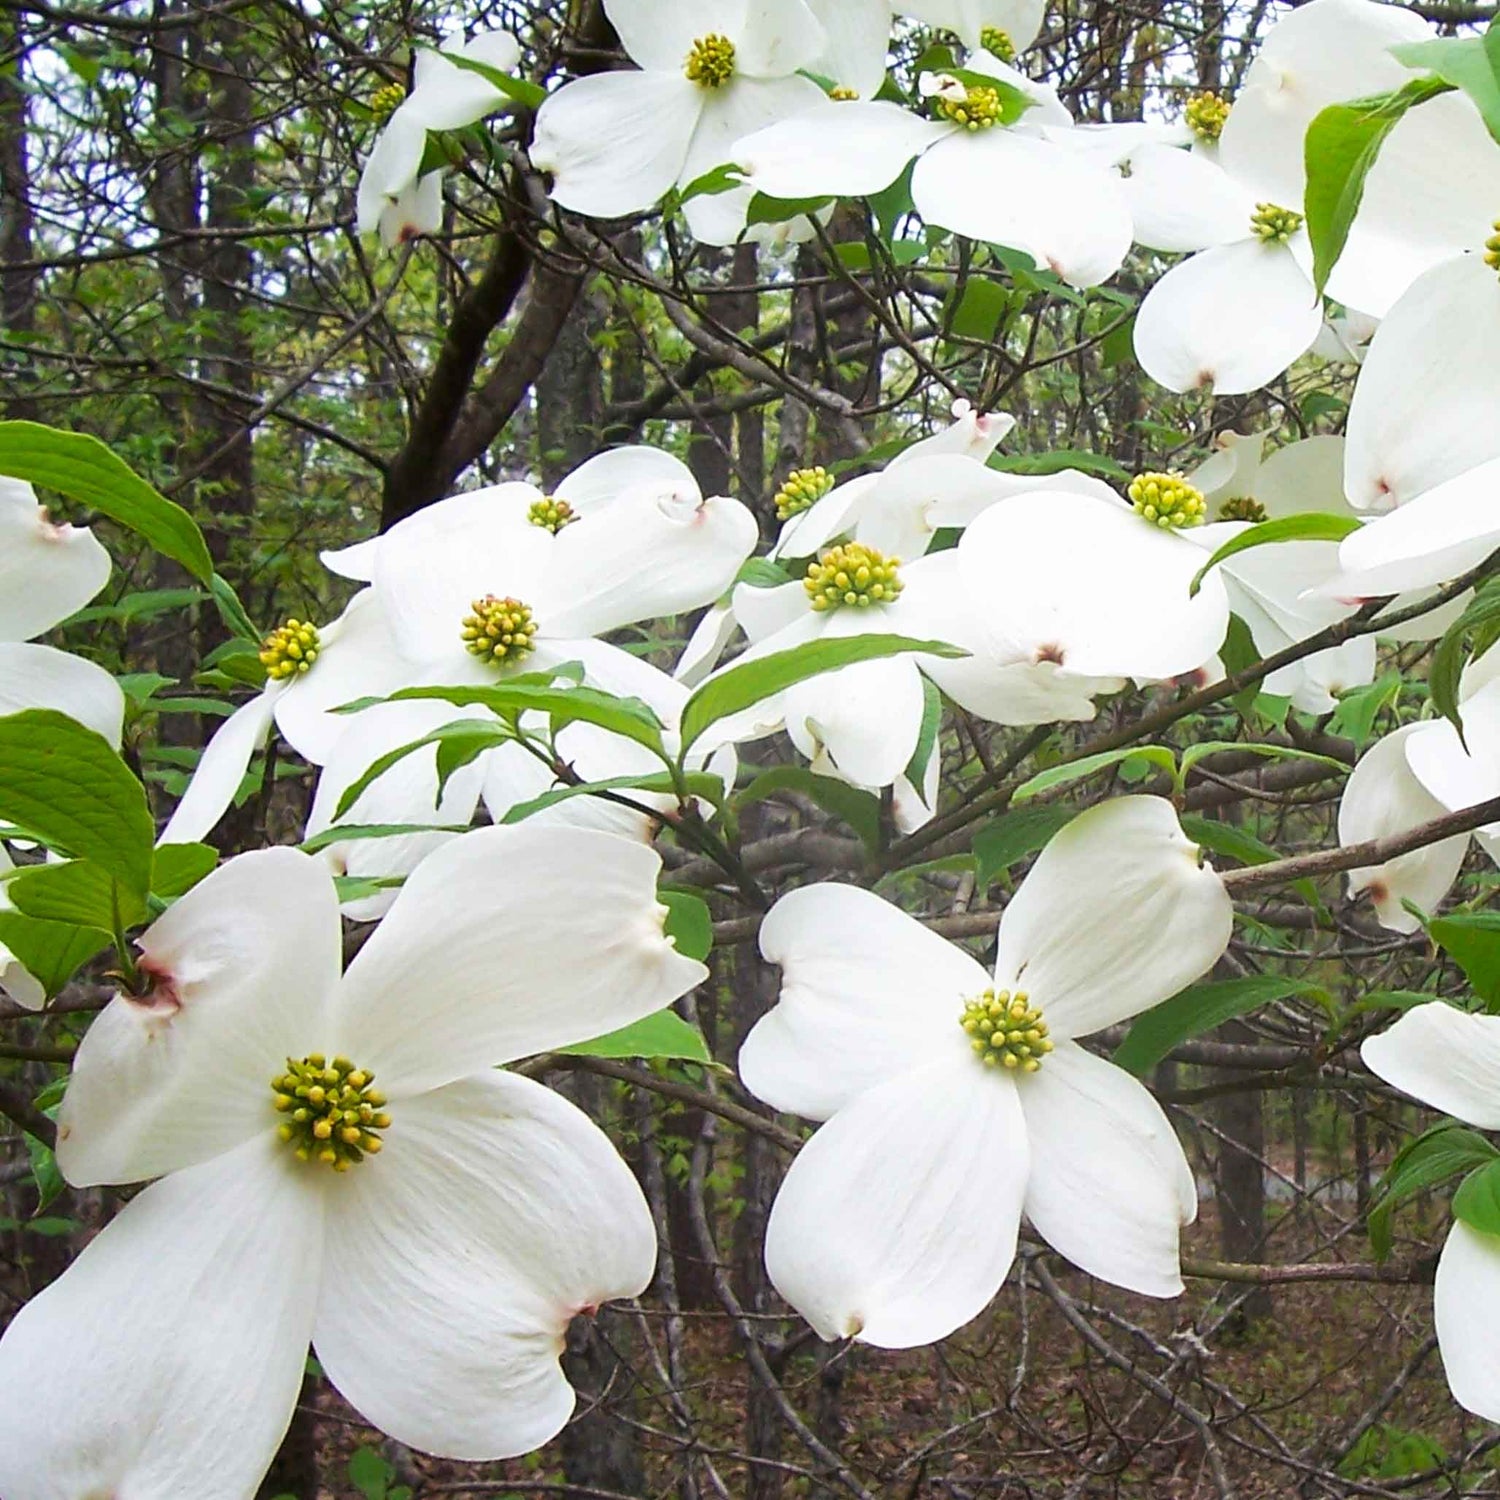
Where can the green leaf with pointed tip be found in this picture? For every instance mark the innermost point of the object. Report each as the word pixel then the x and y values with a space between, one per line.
pixel 1197 1009
pixel 1340 148
pixel 1076 770
pixel 78 893
pixel 51 952
pixel 467 738
pixel 696 783
pixel 1309 526
pixel 664 1035
pixel 68 789
pixel 765 209
pixel 1424 1162
pixel 745 684
pixel 1468 63
pixel 689 923
pixel 1477 1201
pixel 83 469
pixel 1472 939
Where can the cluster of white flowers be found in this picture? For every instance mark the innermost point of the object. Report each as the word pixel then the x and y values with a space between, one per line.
pixel 336 1158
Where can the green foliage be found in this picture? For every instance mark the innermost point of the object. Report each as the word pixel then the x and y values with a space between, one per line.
pixel 1468 63
pixel 1426 1161
pixel 1472 939
pixel 1012 836
pixel 1306 526
pixel 665 1036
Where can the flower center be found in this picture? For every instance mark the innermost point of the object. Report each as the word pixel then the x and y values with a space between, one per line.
pixel 1242 508
pixel 841 93
pixel 1492 248
pixel 996 41
pixel 499 630
pixel 1205 114
pixel 329 1111
pixel 550 513
pixel 290 650
pixel 384 102
pixel 852 574
pixel 1006 1030
pixel 1274 225
pixel 710 63
pixel 802 488
pixel 973 106
pixel 1167 500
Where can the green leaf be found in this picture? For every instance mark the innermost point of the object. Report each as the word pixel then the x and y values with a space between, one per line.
pixel 664 1035
pixel 1360 707
pixel 745 684
pixel 764 209
pixel 369 1473
pixel 471 736
pixel 1477 1201
pixel 859 809
pixel 51 952
pixel 1235 843
pixel 1473 941
pixel 1056 461
pixel 1339 150
pixel 1076 770
pixel 177 868
pixel 67 787
pixel 978 309
pixel 1309 526
pixel 932 722
pixel 45 1175
pixel 362 887
pixel 689 923
pixel 348 833
pixel 710 184
pixel 762 573
pixel 78 892
pixel 83 469
pixel 695 783
pixel 232 612
pixel 1469 63
pixel 1197 751
pixel 1014 835
pixel 1476 626
pixel 1197 1009
pixel 525 93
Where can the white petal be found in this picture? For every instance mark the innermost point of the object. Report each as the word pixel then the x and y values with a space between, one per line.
pixel 660 33
pixel 445 96
pixel 1020 20
pixel 615 142
pixel 416 210
pixel 1234 467
pixel 220 770
pixel 34 676
pixel 1115 916
pixel 391 169
pixel 241 967
pixel 867 718
pixel 866 993
pixel 812 529
pixel 1180 200
pixel 444 986
pixel 1304 476
pixel 1319 54
pixel 495 1212
pixel 897 1222
pixel 47 571
pixel 1062 208
pixel 1071 579
pixel 1423 407
pixel 856 34
pixel 1228 320
pixel 903 510
pixel 1383 797
pixel 607 476
pixel 1431 539
pixel 777 38
pixel 1466 1313
pixel 1109 1185
pixel 708 642
pixel 1447 1058
pixel 847 149
pixel 647 555
pixel 1461 773
pixel 167 1359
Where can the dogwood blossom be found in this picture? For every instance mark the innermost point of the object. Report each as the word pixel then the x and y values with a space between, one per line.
pixel 957 1098
pixel 49 570
pixel 1053 199
pixel 1450 1060
pixel 395 196
pixel 709 72
pixel 996 25
pixel 456 1217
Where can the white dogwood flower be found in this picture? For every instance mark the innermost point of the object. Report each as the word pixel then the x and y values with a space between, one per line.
pixel 395 197
pixel 340 1162
pixel 957 1101
pixel 48 571
pixel 997 26
pixel 615 143
pixel 1450 1059
pixel 1032 184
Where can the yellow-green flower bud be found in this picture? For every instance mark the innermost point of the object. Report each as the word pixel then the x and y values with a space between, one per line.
pixel 386 100
pixel 1274 225
pixel 803 488
pixel 551 513
pixel 852 574
pixel 975 107
pixel 1492 248
pixel 499 630
pixel 710 63
pixel 290 650
pixel 1205 114
pixel 1242 508
pixel 996 41
pixel 1006 1031
pixel 330 1114
pixel 1167 500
